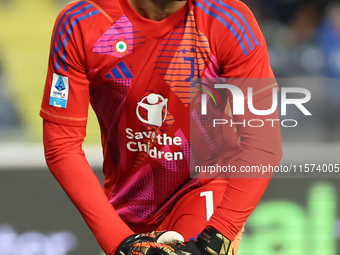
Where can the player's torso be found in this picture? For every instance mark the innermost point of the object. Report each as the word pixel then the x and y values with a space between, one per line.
pixel 139 77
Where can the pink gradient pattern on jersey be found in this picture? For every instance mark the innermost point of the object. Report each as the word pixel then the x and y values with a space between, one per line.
pixel 141 200
pixel 185 144
pixel 130 181
pixel 212 70
pixel 121 30
pixel 205 133
pixel 165 163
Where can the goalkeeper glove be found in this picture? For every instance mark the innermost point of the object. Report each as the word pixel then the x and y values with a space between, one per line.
pixel 209 242
pixel 213 242
pixel 154 243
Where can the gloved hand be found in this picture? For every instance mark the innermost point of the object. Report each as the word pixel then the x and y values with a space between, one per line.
pixel 154 243
pixel 209 242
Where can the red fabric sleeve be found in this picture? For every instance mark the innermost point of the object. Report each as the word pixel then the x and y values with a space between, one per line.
pixel 237 62
pixel 257 145
pixel 67 60
pixel 64 128
pixel 66 160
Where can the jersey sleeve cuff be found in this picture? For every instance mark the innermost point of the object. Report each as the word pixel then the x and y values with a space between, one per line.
pixel 63 120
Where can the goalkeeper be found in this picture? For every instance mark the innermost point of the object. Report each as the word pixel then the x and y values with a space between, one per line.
pixel 132 61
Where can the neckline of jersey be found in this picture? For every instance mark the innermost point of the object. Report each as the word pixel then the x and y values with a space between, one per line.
pixel 155 29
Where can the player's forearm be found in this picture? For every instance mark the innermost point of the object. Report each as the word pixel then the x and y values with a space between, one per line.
pixel 69 166
pixel 259 146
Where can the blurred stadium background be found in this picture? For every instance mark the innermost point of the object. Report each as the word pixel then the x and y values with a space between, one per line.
pixel 297 216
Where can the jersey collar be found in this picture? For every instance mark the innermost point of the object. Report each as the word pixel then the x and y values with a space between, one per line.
pixel 156 29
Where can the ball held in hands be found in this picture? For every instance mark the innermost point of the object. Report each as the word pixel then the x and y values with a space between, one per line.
pixel 153 243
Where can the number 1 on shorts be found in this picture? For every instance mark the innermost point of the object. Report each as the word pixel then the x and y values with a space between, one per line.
pixel 209 202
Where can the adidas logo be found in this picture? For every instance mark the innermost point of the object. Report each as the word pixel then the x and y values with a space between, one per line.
pixel 121 71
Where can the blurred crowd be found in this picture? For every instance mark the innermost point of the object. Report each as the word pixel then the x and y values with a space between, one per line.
pixel 9 115
pixel 303 38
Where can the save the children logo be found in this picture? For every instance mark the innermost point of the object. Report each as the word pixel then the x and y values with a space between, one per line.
pixel 152 105
pixel 152 110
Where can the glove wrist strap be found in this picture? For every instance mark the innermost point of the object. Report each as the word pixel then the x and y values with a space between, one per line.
pixel 123 247
pixel 213 242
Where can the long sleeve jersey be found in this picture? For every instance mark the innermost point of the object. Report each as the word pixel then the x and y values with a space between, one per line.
pixel 136 75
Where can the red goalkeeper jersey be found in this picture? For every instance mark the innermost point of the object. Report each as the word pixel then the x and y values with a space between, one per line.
pixel 136 75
